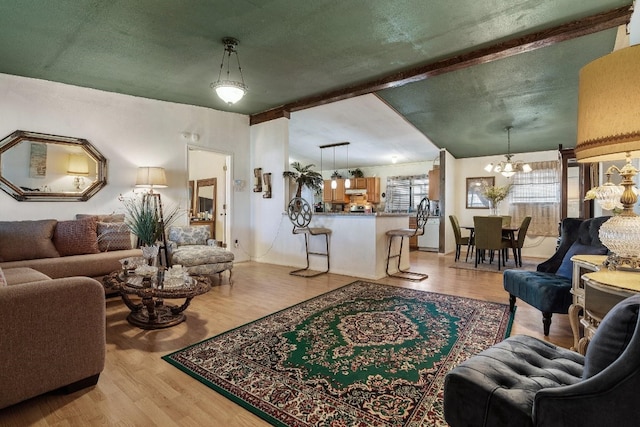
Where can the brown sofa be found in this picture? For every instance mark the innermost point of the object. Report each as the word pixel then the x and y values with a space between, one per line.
pixel 90 245
pixel 53 334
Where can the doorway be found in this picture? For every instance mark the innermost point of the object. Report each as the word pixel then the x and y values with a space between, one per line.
pixel 208 175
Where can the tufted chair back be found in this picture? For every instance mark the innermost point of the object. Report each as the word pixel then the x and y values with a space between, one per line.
pixel 584 231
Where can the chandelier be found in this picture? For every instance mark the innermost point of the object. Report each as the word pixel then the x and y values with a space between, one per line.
pixel 508 168
pixel 230 91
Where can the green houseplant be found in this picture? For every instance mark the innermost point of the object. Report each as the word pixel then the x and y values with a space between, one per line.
pixel 304 176
pixel 142 217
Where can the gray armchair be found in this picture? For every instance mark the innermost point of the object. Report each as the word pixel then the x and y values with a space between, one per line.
pixel 524 381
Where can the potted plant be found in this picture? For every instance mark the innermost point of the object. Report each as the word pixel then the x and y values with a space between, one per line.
pixel 356 173
pixel 304 176
pixel 142 217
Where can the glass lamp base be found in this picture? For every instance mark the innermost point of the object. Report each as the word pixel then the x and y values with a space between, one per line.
pixel 621 235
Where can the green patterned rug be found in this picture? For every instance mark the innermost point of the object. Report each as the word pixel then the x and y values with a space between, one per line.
pixel 365 354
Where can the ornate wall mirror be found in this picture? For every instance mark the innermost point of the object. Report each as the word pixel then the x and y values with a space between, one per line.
pixel 41 167
pixel 204 201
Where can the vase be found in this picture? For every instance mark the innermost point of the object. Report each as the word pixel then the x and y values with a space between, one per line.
pixel 493 208
pixel 150 253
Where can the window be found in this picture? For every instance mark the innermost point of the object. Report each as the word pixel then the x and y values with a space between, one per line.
pixel 537 194
pixel 404 193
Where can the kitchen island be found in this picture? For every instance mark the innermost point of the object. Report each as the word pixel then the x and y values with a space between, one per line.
pixel 358 242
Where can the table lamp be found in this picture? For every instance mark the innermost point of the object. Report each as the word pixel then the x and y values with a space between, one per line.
pixel 609 129
pixel 78 167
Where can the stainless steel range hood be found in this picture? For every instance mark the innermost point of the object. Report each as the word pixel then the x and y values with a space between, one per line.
pixel 351 191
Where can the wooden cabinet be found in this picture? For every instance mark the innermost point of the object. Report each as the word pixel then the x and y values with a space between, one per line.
pixel 434 183
pixel 413 241
pixel 373 190
pixel 359 183
pixel 337 195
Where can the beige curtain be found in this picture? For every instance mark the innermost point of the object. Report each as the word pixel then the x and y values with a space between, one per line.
pixel 537 194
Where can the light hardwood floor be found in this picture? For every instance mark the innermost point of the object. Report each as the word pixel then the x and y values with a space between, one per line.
pixel 138 388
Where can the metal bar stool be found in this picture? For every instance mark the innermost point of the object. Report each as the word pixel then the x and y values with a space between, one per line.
pixel 300 214
pixel 422 215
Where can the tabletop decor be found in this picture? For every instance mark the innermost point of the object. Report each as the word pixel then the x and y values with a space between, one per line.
pixel 495 194
pixel 363 354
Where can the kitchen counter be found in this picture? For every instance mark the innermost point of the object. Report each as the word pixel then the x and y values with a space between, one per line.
pixel 358 242
pixel 361 214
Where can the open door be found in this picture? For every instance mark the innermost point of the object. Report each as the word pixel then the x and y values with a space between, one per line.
pixel 209 186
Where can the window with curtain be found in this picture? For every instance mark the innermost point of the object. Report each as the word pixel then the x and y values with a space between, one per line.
pixel 404 193
pixel 537 194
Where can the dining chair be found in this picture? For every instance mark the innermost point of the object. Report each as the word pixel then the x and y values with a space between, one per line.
pixel 422 215
pixel 522 234
pixel 300 214
pixel 488 237
pixel 460 239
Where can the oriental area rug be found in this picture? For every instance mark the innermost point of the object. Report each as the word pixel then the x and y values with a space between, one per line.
pixel 362 355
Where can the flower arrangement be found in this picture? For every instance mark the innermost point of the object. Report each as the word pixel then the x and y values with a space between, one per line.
pixel 496 194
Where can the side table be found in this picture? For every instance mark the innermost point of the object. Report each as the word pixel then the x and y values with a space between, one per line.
pixel 581 264
pixel 602 290
pixel 152 312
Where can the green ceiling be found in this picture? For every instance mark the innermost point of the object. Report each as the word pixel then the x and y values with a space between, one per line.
pixel 292 49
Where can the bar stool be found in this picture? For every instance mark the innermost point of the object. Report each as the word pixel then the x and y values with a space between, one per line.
pixel 421 217
pixel 300 214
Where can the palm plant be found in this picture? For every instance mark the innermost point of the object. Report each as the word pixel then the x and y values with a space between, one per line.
pixel 304 176
pixel 143 218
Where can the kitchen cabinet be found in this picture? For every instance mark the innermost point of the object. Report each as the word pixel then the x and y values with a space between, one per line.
pixel 359 183
pixel 373 190
pixel 413 241
pixel 434 183
pixel 337 195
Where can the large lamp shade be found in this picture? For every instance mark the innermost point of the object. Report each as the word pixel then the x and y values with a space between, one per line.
pixel 609 107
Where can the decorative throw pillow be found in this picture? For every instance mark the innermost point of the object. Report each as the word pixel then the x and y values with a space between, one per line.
pixel 21 240
pixel 103 218
pixel 612 337
pixel 113 236
pixel 566 268
pixel 3 281
pixel 76 237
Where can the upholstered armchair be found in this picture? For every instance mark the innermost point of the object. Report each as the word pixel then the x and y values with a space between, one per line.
pixel 549 287
pixel 523 381
pixel 193 248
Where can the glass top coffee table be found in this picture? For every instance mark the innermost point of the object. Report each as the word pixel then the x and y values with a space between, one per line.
pixel 152 312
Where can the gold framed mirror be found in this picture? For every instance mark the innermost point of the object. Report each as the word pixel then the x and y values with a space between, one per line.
pixel 41 167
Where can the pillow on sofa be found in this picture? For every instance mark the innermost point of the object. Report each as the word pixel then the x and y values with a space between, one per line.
pixel 566 268
pixel 20 240
pixel 103 218
pixel 113 236
pixel 76 237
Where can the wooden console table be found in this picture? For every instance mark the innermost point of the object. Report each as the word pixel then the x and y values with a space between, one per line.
pixel 594 294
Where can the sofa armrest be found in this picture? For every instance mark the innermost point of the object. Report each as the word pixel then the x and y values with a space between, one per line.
pixel 171 246
pixel 53 335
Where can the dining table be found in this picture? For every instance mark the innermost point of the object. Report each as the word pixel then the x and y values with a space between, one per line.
pixel 508 230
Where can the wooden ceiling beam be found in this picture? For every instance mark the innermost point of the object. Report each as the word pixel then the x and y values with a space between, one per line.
pixel 529 42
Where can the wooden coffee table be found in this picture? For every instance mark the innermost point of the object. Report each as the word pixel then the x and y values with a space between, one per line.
pixel 152 312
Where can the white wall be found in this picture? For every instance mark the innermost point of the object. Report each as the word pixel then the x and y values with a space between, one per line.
pixel 130 132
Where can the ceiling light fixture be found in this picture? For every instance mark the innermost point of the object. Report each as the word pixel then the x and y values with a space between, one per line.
pixel 608 129
pixel 508 168
pixel 334 175
pixel 230 91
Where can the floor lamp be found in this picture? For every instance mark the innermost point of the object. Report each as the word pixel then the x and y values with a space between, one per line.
pixel 154 177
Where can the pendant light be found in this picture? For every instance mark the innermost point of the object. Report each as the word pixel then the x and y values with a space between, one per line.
pixel 347 182
pixel 230 91
pixel 508 168
pixel 334 178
